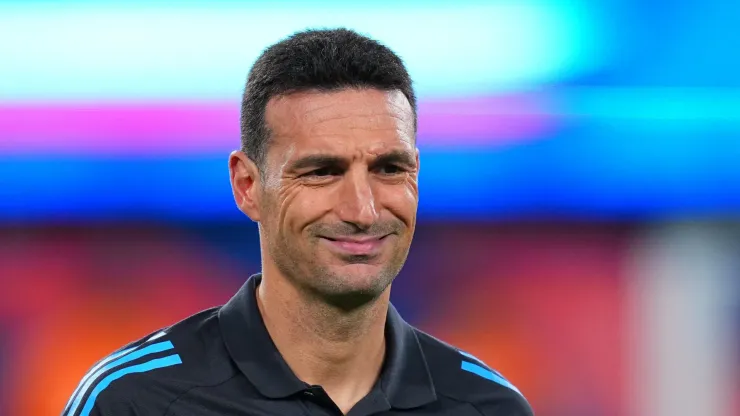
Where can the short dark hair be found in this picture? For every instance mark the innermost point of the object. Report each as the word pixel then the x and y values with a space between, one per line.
pixel 323 60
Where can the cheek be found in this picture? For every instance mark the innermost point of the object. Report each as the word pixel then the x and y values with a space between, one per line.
pixel 401 200
pixel 305 207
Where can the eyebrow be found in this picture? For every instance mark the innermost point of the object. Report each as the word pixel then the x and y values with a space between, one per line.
pixel 321 160
pixel 398 157
pixel 317 160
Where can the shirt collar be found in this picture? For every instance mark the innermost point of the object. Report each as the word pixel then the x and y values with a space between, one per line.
pixel 405 379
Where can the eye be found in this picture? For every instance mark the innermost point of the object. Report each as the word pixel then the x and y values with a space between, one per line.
pixel 325 171
pixel 390 169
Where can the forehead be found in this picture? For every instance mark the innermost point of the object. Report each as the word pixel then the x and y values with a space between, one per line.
pixel 349 118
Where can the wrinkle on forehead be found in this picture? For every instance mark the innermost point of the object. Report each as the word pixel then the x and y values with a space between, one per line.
pixel 401 107
pixel 333 113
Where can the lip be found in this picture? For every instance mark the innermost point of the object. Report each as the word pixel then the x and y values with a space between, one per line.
pixel 356 246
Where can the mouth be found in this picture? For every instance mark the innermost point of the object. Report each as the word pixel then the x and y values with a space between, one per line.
pixel 364 246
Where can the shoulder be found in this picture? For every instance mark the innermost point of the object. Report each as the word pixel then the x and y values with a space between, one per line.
pixel 153 371
pixel 462 377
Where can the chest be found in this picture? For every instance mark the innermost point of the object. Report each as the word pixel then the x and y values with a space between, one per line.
pixel 197 405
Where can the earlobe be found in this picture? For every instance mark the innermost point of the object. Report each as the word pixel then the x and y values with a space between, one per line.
pixel 244 177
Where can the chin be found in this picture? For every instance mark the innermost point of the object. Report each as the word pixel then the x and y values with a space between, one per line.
pixel 357 282
pixel 360 276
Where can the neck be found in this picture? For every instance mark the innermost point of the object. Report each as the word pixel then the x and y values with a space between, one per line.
pixel 340 350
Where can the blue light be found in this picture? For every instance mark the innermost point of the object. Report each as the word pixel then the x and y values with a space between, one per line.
pixel 575 175
pixel 75 51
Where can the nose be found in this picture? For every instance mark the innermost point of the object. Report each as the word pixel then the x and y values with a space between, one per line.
pixel 357 201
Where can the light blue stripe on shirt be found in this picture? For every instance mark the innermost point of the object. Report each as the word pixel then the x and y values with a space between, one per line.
pixel 168 361
pixel 487 374
pixel 92 372
pixel 154 348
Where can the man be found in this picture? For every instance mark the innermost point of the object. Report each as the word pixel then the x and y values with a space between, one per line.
pixel 328 169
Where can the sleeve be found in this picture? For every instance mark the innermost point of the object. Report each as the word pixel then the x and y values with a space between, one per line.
pixel 515 406
pixel 117 408
pixel 92 400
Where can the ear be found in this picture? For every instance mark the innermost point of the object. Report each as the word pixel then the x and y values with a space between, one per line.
pixel 245 184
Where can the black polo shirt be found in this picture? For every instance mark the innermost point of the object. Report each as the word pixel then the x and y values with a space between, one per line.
pixel 222 361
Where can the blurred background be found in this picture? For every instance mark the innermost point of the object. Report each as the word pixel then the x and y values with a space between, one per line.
pixel 579 226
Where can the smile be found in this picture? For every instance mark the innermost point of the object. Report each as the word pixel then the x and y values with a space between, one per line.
pixel 356 246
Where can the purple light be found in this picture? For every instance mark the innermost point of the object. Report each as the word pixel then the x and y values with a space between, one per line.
pixel 191 128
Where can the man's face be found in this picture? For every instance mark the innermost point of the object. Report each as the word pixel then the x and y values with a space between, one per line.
pixel 339 191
